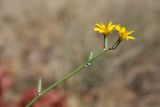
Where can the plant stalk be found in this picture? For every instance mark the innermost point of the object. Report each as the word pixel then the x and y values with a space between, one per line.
pixel 74 72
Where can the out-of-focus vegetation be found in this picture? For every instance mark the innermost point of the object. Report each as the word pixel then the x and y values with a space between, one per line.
pixel 49 38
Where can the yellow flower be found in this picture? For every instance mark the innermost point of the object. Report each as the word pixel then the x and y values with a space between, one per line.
pixel 105 29
pixel 123 33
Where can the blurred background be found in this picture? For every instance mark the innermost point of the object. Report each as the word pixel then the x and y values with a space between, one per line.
pixel 50 38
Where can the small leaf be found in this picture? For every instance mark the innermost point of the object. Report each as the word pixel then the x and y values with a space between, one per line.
pixel 90 55
pixel 90 58
pixel 39 86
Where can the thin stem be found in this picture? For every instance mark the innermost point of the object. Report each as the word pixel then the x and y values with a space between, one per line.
pixel 104 41
pixel 116 44
pixel 77 70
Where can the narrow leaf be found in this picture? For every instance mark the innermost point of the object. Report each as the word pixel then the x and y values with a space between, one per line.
pixel 90 55
pixel 39 86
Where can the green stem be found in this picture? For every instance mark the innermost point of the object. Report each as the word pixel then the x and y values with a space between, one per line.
pixel 77 70
pixel 104 41
pixel 115 45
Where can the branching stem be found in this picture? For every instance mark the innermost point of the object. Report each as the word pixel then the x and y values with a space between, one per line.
pixel 74 72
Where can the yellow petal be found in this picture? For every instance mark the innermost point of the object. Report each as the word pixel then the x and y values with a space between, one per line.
pixel 123 29
pixel 98 30
pixel 103 26
pixel 130 37
pixel 130 32
pixel 111 28
pixel 110 23
pixel 99 25
pixel 118 28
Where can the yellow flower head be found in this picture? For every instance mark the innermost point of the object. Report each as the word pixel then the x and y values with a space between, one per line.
pixel 105 29
pixel 123 33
